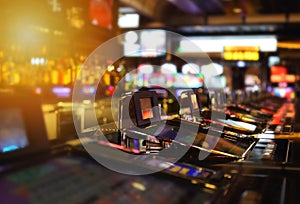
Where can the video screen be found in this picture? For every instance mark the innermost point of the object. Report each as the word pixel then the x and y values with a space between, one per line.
pixel 12 131
pixel 178 92
pixel 185 106
pixel 146 107
pixel 194 101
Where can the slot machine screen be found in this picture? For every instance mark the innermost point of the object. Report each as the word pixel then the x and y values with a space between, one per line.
pixel 88 119
pixel 12 130
pixel 185 107
pixel 146 108
pixel 194 101
pixel 178 92
pixel 190 102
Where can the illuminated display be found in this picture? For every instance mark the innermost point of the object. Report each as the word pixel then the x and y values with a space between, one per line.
pixel 284 92
pixel 188 81
pixel 12 131
pixel 190 68
pixel 216 44
pixel 247 53
pixel 168 68
pixel 129 20
pixel 280 74
pixel 289 78
pixel 194 101
pixel 146 108
pixel 147 43
pixel 101 13
pixel 278 70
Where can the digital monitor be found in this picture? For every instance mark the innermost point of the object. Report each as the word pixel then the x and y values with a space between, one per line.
pixel 194 101
pixel 190 102
pixel 22 126
pixel 217 98
pixel 185 103
pixel 13 134
pixel 146 107
pixel 88 120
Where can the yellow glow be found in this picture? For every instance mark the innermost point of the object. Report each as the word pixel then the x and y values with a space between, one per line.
pixel 288 45
pixel 241 48
pixel 138 186
pixel 194 181
pixel 110 68
pixel 54 76
pixel 237 10
pixel 241 53
pixel 175 169
pixel 184 171
pixel 211 186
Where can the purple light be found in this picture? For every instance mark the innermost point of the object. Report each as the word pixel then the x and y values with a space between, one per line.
pixel 62 91
pixel 187 6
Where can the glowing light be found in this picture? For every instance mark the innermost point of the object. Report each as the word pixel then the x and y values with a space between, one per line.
pixel 9 148
pixel 110 68
pixel 168 68
pixel 138 186
pixel 190 68
pixel 145 69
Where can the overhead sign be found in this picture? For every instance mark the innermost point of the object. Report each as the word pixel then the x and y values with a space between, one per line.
pixel 244 53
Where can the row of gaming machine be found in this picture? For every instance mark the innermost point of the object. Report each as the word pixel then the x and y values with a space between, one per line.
pixel 34 171
pixel 223 132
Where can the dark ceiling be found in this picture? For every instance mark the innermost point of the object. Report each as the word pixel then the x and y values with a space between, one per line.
pixel 216 12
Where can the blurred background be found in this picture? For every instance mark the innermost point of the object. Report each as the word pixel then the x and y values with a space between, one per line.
pixel 43 45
